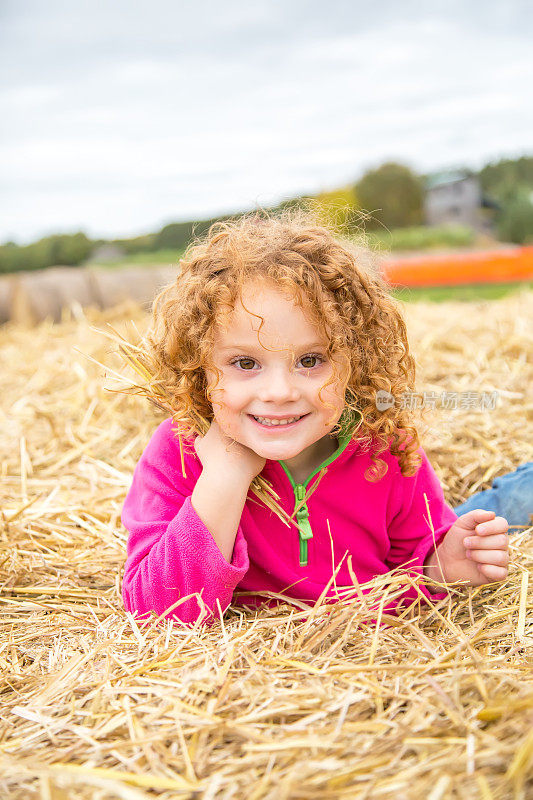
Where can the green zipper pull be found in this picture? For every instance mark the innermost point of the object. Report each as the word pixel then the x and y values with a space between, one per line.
pixel 302 515
pixel 302 518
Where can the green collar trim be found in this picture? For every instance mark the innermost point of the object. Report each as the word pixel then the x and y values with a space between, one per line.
pixel 344 441
pixel 350 422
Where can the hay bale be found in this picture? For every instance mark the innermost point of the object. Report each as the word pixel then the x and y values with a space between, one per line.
pixel 140 284
pixel 7 288
pixel 45 293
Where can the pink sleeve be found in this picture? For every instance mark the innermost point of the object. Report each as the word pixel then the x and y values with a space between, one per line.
pixel 171 553
pixel 410 533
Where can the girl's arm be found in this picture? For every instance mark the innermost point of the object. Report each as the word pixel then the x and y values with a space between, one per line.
pixel 171 551
pixel 215 493
pixel 228 470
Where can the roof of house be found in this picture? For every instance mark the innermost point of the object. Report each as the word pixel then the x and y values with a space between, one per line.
pixel 447 177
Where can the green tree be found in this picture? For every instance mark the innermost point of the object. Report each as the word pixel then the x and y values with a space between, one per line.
pixel 515 223
pixel 393 195
pixel 65 249
pixel 138 244
pixel 510 183
pixel 504 180
pixel 338 209
pixel 10 257
pixel 72 249
pixel 177 235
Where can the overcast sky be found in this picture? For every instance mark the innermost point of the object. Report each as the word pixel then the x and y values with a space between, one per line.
pixel 121 116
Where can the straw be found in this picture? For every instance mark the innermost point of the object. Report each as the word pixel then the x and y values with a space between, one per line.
pixel 301 700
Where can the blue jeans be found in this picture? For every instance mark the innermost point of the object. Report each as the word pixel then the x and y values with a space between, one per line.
pixel 511 496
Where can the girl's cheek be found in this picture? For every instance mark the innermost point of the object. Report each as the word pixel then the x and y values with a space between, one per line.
pixel 221 412
pixel 233 396
pixel 331 399
pixel 228 423
pixel 219 397
pixel 332 407
pixel 223 407
pixel 221 416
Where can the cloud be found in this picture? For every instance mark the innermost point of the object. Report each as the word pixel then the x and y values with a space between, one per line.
pixel 117 119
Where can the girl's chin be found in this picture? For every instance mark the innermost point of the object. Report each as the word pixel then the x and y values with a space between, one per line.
pixel 275 451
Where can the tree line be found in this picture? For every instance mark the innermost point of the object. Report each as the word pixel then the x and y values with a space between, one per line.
pixel 389 197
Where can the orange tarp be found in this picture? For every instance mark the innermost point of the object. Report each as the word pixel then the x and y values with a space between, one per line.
pixel 476 266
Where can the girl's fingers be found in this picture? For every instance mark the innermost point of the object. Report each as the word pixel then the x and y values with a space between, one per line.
pixel 495 557
pixel 497 541
pixel 475 517
pixel 496 525
pixel 493 573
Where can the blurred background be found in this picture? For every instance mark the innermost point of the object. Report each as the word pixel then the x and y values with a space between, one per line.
pixel 127 125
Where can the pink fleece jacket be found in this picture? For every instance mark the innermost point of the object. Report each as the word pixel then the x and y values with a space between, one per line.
pixel 171 553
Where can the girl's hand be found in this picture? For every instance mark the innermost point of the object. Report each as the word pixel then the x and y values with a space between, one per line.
pixel 476 548
pixel 221 455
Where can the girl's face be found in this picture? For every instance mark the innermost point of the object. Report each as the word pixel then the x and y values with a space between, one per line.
pixel 273 376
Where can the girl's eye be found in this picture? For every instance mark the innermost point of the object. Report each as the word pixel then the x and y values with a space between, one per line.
pixel 309 358
pixel 245 363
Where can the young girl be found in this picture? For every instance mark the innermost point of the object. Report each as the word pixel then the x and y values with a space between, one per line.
pixel 281 336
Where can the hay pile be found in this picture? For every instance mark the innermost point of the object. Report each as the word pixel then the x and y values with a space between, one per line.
pixel 29 297
pixel 262 705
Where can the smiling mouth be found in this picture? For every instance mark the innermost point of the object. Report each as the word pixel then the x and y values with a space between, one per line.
pixel 266 422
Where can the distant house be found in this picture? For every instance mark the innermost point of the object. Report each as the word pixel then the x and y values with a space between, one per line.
pixel 106 252
pixel 457 198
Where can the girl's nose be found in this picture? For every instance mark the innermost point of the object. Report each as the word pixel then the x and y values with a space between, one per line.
pixel 277 387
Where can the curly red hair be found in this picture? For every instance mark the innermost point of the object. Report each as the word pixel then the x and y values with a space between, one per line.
pixel 339 283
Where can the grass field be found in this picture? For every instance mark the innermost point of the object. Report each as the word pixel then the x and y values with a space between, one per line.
pixel 466 293
pixel 423 237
